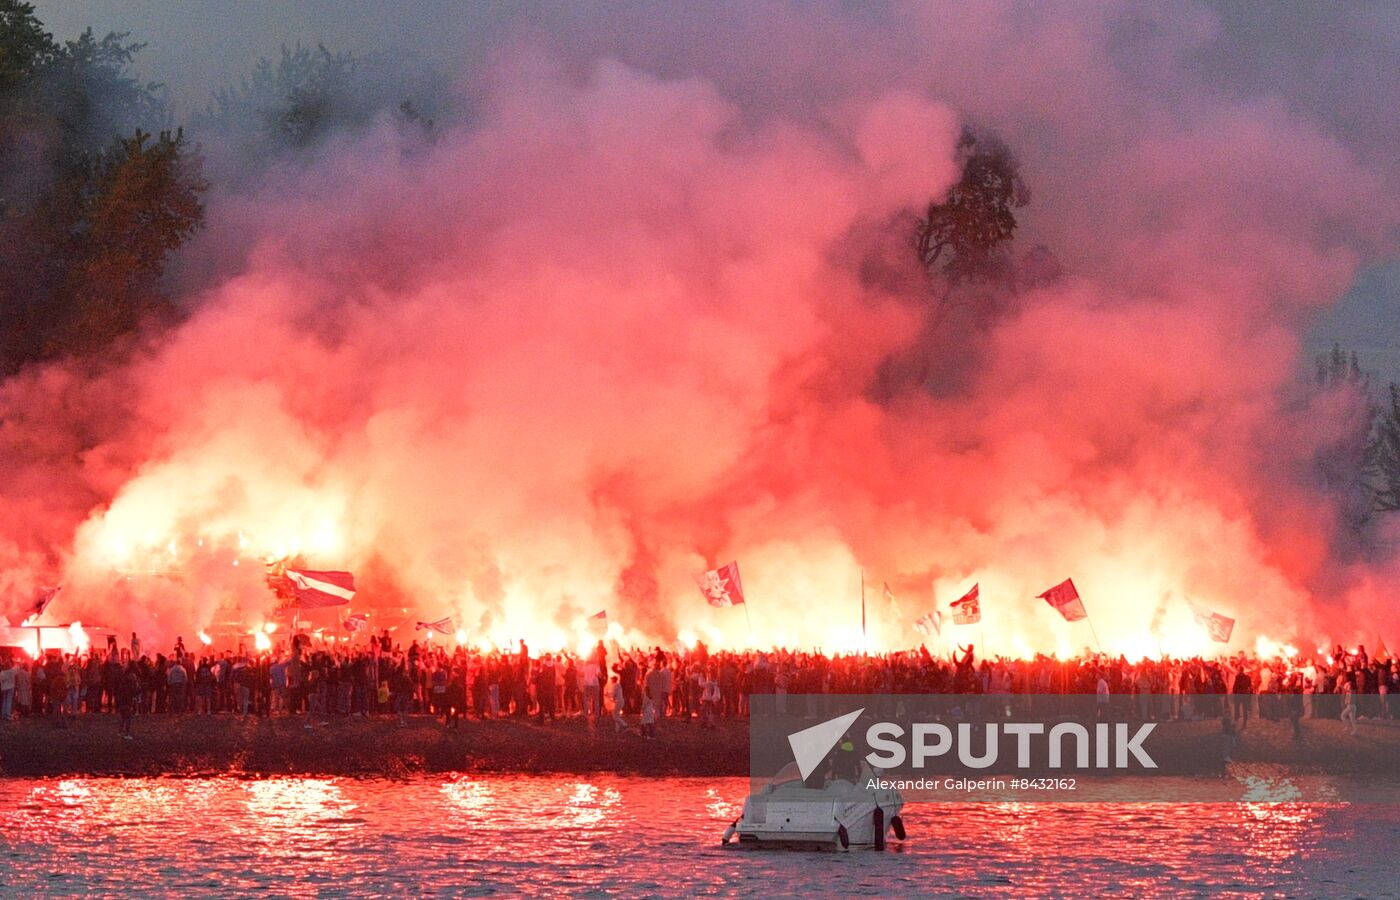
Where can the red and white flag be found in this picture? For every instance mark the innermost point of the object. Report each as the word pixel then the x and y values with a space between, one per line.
pixel 441 626
pixel 315 590
pixel 1066 600
pixel 1219 627
pixel 357 622
pixel 598 622
pixel 721 586
pixel 967 610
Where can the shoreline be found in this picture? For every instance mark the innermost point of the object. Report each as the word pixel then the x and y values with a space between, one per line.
pixel 354 746
pixel 227 744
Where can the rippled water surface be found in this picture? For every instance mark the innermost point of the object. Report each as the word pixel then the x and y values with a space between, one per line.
pixel 603 835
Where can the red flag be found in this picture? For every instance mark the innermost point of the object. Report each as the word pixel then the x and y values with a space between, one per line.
pixel 721 586
pixel 356 622
pixel 46 596
pixel 968 609
pixel 1066 600
pixel 315 590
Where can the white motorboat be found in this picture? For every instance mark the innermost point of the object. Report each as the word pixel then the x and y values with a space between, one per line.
pixel 789 815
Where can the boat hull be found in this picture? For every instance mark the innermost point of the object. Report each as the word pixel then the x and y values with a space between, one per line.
pixel 808 819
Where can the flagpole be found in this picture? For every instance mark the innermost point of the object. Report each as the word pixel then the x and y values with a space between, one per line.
pixel 1090 619
pixel 933 594
pixel 862 609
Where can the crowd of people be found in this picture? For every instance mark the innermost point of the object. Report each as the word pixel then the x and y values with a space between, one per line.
pixel 644 689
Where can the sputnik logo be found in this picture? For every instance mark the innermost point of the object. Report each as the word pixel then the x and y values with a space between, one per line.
pixel 811 745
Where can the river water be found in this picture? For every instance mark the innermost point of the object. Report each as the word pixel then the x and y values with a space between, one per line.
pixel 595 836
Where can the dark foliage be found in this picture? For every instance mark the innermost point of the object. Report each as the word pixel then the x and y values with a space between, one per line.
pixel 92 203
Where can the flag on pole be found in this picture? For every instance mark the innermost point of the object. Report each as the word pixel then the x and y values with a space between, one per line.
pixel 315 590
pixel 967 610
pixel 1219 627
pixel 598 622
pixel 930 623
pixel 889 596
pixel 357 622
pixel 1066 600
pixel 721 586
pixel 1382 652
pixel 45 597
pixel 441 626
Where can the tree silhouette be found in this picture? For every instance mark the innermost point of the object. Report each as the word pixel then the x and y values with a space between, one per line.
pixel 91 203
pixel 964 239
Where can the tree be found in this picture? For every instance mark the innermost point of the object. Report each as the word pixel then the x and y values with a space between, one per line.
pixel 91 204
pixel 1337 369
pixel 1384 455
pixel 1341 461
pixel 295 103
pixel 138 203
pixel 962 263
pixel 964 239
pixel 24 45
pixel 1362 465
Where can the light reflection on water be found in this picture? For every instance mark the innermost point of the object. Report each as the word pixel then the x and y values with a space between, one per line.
pixel 598 835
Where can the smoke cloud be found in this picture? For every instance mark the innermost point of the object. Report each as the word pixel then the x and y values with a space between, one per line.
pixel 613 329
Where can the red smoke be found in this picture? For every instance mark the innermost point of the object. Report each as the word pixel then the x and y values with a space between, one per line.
pixel 614 331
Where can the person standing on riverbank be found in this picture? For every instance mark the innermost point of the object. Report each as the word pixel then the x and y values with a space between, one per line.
pixel 544 689
pixel 619 703
pixel 1348 705
pixel 178 680
pixel 23 698
pixel 1243 691
pixel 7 691
pixel 658 685
pixel 401 687
pixel 455 698
pixel 709 701
pixel 128 688
pixel 592 691
pixel 1293 704
pixel 277 678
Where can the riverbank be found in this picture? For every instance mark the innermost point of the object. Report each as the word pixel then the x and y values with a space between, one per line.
pixel 164 745
pixel 167 745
